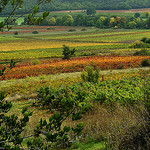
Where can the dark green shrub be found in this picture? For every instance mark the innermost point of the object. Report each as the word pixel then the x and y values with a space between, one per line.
pixel 90 75
pixel 83 29
pixel 143 52
pixel 16 33
pixel 35 32
pixel 50 28
pixel 146 40
pixel 145 63
pixel 71 30
pixel 67 53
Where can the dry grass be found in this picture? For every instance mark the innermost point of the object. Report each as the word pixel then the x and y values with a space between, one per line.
pixel 113 125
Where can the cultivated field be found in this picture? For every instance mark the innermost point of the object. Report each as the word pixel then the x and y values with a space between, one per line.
pixel 39 64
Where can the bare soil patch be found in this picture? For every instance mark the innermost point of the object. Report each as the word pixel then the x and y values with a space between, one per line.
pixel 109 11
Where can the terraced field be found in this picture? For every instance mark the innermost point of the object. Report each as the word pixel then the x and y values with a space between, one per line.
pixel 48 43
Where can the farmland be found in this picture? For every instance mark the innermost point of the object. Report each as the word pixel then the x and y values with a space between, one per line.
pixel 121 92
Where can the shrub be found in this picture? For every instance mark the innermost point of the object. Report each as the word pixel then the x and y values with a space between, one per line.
pixel 67 53
pixel 35 32
pixel 16 33
pixel 146 40
pixel 50 28
pixel 139 44
pixel 145 62
pixel 90 75
pixel 71 30
pixel 142 52
pixel 83 29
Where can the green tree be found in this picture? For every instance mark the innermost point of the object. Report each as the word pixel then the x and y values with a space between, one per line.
pixel 131 25
pixel 91 11
pixel 136 15
pixel 52 21
pixel 67 53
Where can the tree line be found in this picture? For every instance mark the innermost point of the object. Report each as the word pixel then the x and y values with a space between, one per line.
pixel 136 21
pixel 81 4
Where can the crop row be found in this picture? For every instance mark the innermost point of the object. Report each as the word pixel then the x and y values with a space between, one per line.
pixel 36 44
pixel 115 38
pixel 76 65
pixel 91 35
pixel 30 31
pixel 30 84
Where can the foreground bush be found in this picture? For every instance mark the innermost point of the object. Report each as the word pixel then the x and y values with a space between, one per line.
pixel 90 75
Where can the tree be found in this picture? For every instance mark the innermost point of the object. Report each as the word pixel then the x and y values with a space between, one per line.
pixel 78 21
pixel 91 11
pixel 63 102
pixel 52 21
pixel 18 4
pixel 136 15
pixel 131 25
pixel 67 53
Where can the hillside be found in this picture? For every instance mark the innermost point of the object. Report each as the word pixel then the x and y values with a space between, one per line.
pixel 83 4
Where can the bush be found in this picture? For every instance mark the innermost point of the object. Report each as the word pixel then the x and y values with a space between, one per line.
pixel 67 53
pixel 83 29
pixel 139 44
pixel 90 75
pixel 143 52
pixel 35 32
pixel 50 28
pixel 146 40
pixel 16 33
pixel 145 63
pixel 71 30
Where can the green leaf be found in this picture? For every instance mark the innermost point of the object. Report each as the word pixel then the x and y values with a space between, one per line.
pixel 66 129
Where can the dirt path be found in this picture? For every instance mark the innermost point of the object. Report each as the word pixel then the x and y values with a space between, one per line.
pixel 108 11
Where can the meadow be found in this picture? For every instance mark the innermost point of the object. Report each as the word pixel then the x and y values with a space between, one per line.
pixel 121 92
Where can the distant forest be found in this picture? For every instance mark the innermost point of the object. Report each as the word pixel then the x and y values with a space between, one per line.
pixel 56 5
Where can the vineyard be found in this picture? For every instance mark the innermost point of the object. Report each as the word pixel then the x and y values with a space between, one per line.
pixel 45 82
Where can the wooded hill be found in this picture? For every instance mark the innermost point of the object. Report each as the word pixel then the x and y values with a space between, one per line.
pixel 83 4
